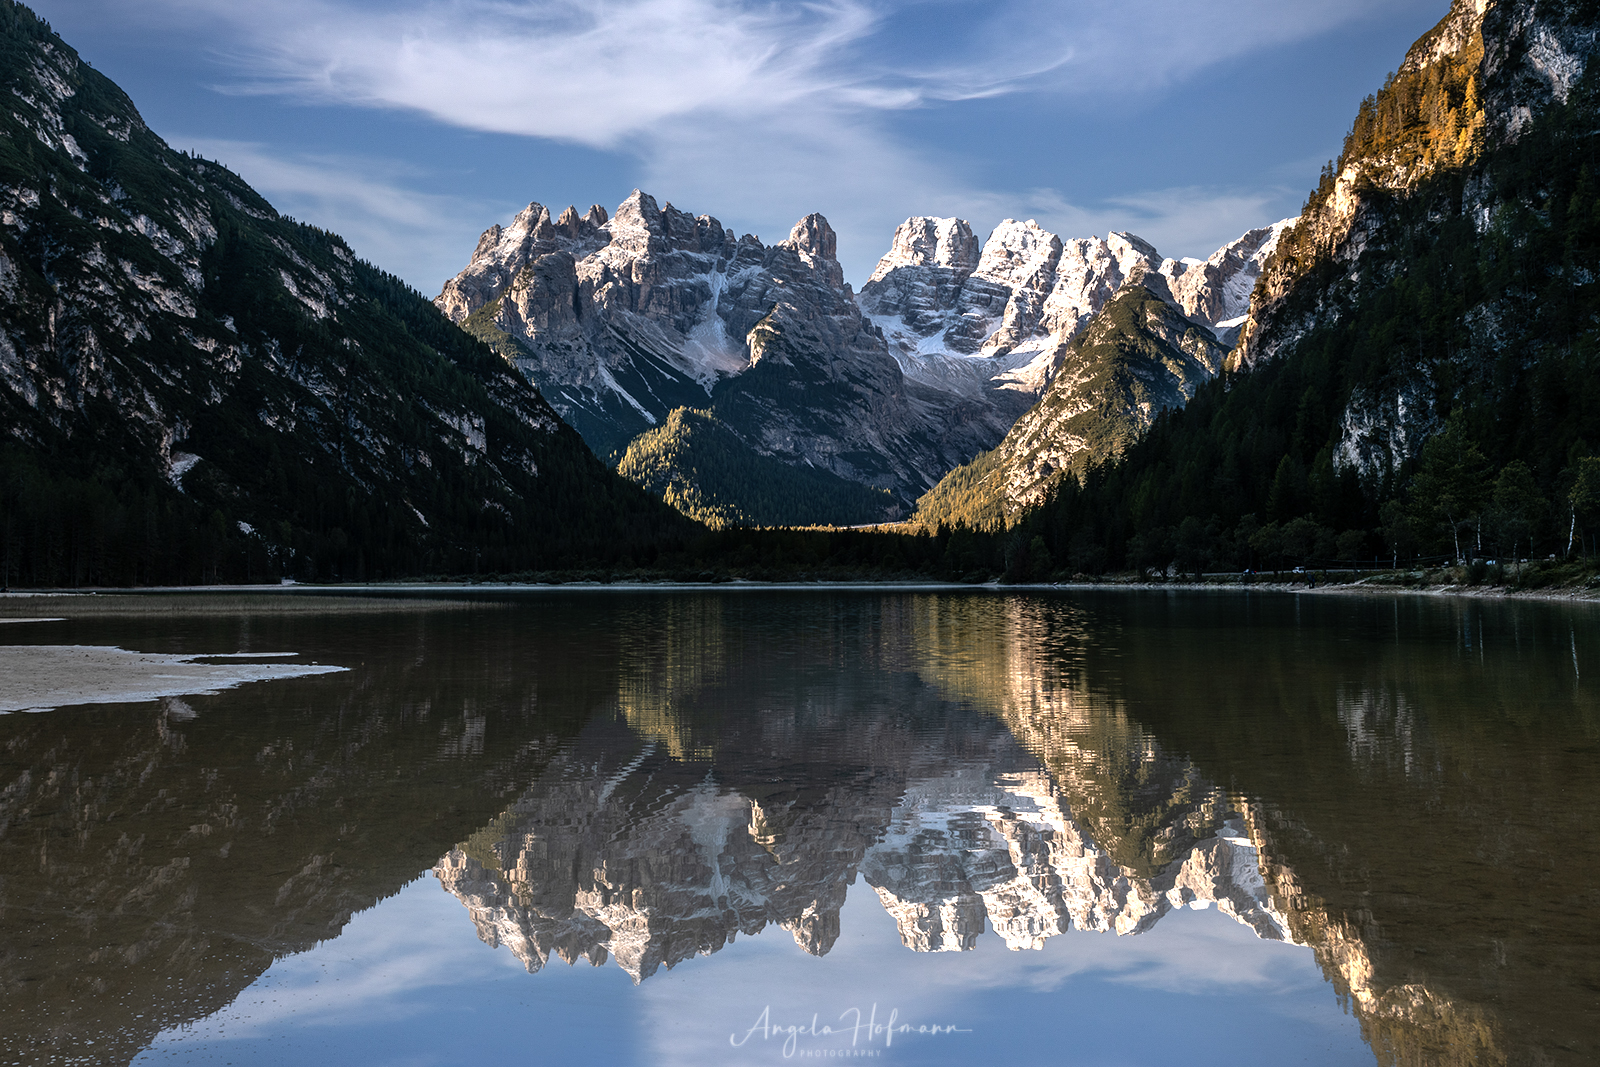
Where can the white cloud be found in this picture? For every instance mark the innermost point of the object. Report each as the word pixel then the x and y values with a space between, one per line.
pixel 756 112
pixel 590 71
pixel 1195 220
pixel 601 71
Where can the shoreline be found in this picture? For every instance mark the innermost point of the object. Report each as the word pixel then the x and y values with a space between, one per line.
pixel 1364 587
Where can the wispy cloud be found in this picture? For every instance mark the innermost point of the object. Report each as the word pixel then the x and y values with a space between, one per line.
pixel 601 71
pixel 596 72
pixel 758 112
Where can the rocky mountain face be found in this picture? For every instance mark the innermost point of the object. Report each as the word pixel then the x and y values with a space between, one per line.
pixel 624 321
pixel 1217 291
pixel 610 345
pixel 1139 356
pixel 1416 375
pixel 1028 324
pixel 194 386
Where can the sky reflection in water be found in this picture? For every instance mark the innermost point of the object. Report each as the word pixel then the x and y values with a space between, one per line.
pixel 407 982
pixel 804 804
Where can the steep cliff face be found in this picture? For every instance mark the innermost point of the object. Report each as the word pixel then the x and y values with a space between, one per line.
pixel 1428 159
pixel 623 321
pixel 618 320
pixel 1008 326
pixel 1216 291
pixel 1139 356
pixel 236 387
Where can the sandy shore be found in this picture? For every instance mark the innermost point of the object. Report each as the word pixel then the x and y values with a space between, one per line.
pixel 41 677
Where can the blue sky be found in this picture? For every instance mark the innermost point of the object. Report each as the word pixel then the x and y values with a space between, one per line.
pixel 410 126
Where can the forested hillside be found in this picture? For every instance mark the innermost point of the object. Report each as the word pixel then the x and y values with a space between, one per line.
pixel 702 468
pixel 195 388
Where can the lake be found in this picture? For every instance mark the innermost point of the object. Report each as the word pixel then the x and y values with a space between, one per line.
pixel 757 826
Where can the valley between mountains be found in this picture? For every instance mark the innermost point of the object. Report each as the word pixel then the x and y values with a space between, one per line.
pixel 196 388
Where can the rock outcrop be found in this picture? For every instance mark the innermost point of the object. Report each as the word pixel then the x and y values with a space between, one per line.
pixel 1007 327
pixel 615 319
pixel 993 321
pixel 1216 291
pixel 622 321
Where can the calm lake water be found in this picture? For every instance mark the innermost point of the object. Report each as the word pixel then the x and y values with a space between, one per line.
pixel 760 827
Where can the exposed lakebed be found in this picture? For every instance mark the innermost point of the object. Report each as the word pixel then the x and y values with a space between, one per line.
pixel 747 826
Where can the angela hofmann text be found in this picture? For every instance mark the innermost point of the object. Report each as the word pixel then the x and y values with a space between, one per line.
pixel 855 1035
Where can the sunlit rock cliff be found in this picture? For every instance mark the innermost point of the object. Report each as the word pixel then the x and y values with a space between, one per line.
pixel 1446 159
pixel 1139 356
pixel 993 320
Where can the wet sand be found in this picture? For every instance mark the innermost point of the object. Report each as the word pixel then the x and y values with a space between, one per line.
pixel 42 677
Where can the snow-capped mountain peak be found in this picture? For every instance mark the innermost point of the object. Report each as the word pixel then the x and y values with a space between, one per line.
pixel 930 242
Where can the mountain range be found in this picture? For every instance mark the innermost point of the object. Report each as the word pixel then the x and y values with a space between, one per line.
pixel 712 368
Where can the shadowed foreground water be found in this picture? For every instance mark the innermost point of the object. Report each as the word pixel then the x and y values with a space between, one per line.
pixel 761 826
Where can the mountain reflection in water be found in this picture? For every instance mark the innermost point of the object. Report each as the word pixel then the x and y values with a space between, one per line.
pixel 620 851
pixel 1400 785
